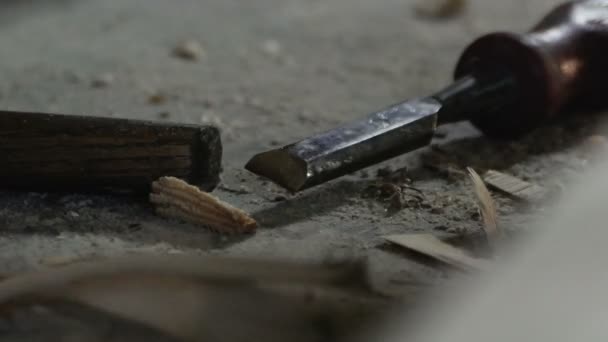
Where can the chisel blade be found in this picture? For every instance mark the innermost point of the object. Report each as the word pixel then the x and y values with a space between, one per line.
pixel 380 136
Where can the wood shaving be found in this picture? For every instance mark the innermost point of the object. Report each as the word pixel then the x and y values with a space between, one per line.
pixel 487 207
pixel 515 187
pixel 431 246
pixel 177 199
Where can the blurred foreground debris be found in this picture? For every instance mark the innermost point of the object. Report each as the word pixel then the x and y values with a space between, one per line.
pixel 431 246
pixel 176 298
pixel 487 207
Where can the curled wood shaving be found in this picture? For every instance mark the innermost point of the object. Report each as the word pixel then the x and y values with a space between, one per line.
pixel 487 207
pixel 177 199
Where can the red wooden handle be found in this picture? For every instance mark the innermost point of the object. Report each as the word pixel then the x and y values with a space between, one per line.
pixel 560 65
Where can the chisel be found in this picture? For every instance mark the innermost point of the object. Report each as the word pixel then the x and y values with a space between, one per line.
pixel 506 84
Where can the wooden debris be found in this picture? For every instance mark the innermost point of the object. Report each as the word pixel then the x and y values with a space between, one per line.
pixel 175 198
pixel 487 207
pixel 439 9
pixel 515 187
pixel 210 298
pixel 431 246
pixel 190 50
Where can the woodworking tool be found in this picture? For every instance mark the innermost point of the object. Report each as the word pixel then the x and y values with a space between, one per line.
pixel 40 151
pixel 506 84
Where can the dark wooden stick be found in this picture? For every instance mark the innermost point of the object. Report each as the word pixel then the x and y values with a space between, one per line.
pixel 78 153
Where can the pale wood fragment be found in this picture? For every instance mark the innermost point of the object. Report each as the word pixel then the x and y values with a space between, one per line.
pixel 177 199
pixel 487 207
pixel 431 246
pixel 515 187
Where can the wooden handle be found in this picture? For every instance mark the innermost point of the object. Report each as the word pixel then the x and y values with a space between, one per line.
pixel 560 65
pixel 77 153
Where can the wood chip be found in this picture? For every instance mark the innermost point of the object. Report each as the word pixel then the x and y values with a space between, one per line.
pixel 177 199
pixel 431 246
pixel 487 207
pixel 515 187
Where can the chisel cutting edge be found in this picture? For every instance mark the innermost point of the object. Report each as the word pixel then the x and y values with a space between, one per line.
pixel 506 85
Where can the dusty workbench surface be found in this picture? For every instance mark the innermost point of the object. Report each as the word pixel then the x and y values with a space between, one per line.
pixel 271 72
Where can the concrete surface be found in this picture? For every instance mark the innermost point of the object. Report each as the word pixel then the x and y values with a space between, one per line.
pixel 336 61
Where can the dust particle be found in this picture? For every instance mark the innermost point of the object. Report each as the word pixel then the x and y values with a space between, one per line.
pixel 210 117
pixel 208 104
pixel 164 115
pixel 190 50
pixel 103 80
pixel 384 172
pixel 157 98
pixel 134 226
pixel 271 47
pixel 595 144
pixel 238 99
pixel 439 9
pixel 436 210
